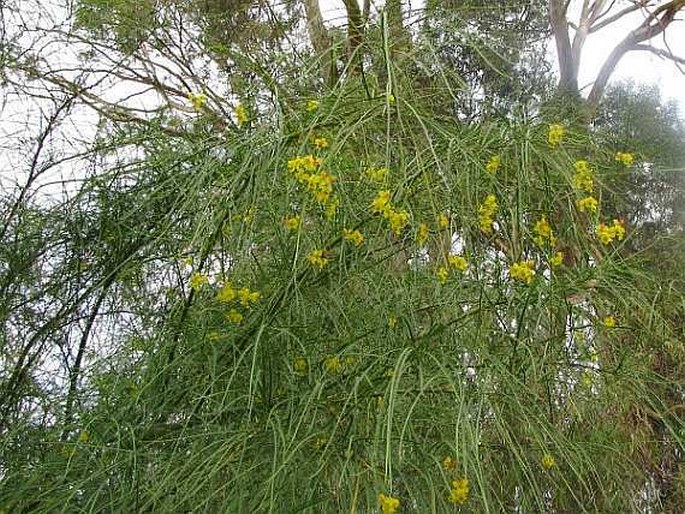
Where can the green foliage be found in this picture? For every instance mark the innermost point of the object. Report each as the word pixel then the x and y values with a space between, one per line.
pixel 249 351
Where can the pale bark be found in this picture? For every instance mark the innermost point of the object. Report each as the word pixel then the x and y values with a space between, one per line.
pixel 594 16
pixel 321 41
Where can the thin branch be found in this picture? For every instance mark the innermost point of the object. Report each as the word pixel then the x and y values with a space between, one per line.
pixel 666 54
pixel 611 19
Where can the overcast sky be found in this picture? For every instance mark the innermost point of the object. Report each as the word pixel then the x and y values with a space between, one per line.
pixel 642 67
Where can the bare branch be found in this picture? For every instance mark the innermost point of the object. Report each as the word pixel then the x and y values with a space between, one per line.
pixel 611 19
pixel 666 54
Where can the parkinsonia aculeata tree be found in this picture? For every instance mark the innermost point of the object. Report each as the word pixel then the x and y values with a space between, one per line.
pixel 256 261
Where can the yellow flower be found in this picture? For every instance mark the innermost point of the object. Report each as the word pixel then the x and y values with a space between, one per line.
pixel 389 505
pixel 460 491
pixel 303 165
pixel 197 280
pixel 247 297
pixel 390 98
pixel 353 236
pixel 226 294
pixel 332 208
pixel 442 274
pixel 422 233
pixel 198 100
pixel 619 230
pixel 547 461
pixel 241 115
pixel 586 380
pixel 449 463
pixel 443 221
pixel 300 366
pixel 321 186
pixel 312 105
pixel 458 262
pixel 543 232
pixel 234 316
pixel 398 220
pixel 588 204
pixel 321 143
pixel 609 322
pixel 606 234
pixel 381 204
pixel 486 213
pixel 333 365
pixel 392 321
pixel 84 436
pixel 316 258
pixel 625 158
pixel 292 223
pixel 555 134
pixel 493 164
pixel 377 174
pixel 582 178
pixel 557 259
pixel 523 271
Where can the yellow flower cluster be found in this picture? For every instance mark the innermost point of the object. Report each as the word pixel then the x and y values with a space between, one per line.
pixel 300 366
pixel 457 262
pixel 459 492
pixel 493 164
pixel 522 271
pixel 547 461
pixel 442 274
pixel 303 165
pixel 321 143
pixel 587 204
pixel 555 134
pixel 198 100
pixel 607 234
pixel 449 463
pixel 312 105
pixel 486 213
pixel 353 236
pixel 609 322
pixel 422 233
pixel 335 365
pixel 234 316
pixel 244 295
pixel 443 221
pixel 389 505
pixel 316 258
pixel 397 219
pixel 543 233
pixel 319 182
pixel 197 280
pixel 247 297
pixel 625 158
pixel 377 174
pixel 241 115
pixel 292 223
pixel 556 260
pixel 582 178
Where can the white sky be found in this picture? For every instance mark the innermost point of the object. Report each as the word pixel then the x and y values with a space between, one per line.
pixel 642 67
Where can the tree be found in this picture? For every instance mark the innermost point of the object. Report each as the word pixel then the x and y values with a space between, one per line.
pixel 244 301
pixel 597 15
